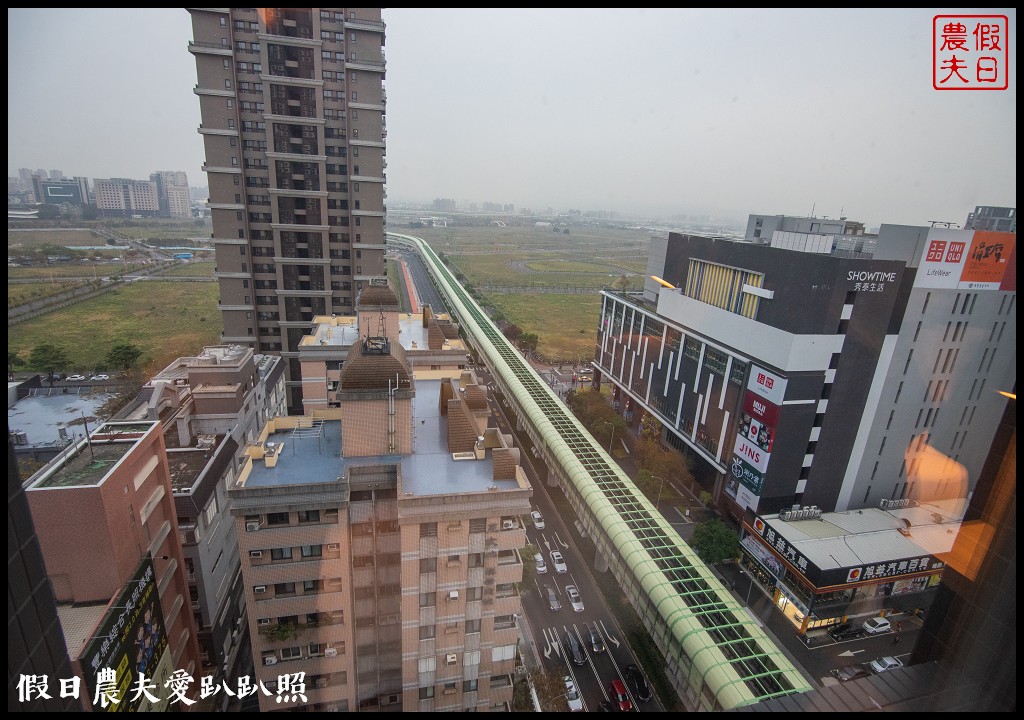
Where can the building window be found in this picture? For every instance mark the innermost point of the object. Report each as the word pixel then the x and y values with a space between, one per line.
pixel 474 594
pixel 426 632
pixel 428 529
pixel 287 588
pixel 311 516
pixel 428 565
pixel 277 518
pixel 428 599
pixel 309 551
pixel 281 554
pixel 426 693
pixel 472 626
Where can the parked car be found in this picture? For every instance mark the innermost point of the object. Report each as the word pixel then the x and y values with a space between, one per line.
pixel 574 598
pixel 851 672
pixel 553 602
pixel 574 649
pixel 638 683
pixel 538 519
pixel 876 625
pixel 845 631
pixel 559 562
pixel 572 695
pixel 595 639
pixel 542 566
pixel 76 378
pixel 885 664
pixel 99 378
pixel 617 694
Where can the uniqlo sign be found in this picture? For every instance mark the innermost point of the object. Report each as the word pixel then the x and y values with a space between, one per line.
pixel 970 52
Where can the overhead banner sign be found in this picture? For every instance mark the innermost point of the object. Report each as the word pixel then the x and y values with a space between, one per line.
pixel 968 260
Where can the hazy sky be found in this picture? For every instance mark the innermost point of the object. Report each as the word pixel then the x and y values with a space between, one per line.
pixel 655 111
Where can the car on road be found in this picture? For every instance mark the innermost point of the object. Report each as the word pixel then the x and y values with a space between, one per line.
pixel 845 631
pixel 574 598
pixel 638 682
pixel 559 562
pixel 851 672
pixel 574 649
pixel 538 519
pixel 554 604
pixel 617 694
pixel 876 625
pixel 542 567
pixel 75 378
pixel 572 695
pixel 885 664
pixel 593 636
pixel 99 378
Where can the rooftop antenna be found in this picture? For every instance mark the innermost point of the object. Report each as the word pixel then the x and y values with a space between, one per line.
pixel 813 205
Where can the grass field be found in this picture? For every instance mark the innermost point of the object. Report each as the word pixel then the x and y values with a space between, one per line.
pixel 48 273
pixel 31 239
pixel 21 293
pixel 192 269
pixel 165 319
pixel 565 324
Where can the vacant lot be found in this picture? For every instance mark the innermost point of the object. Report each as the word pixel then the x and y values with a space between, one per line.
pixel 21 293
pixel 516 269
pixel 165 319
pixel 33 239
pixel 191 269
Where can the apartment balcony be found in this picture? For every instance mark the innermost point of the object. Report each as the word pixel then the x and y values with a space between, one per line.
pixel 205 48
pixel 298 604
pixel 229 274
pixel 361 64
pixel 371 25
pixel 216 92
pixel 285 80
pixel 240 306
pixel 237 340
pixel 290 40
pixel 311 665
pixel 213 168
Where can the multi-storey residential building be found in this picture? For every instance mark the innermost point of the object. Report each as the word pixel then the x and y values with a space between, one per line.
pixel 380 543
pixel 172 190
pixel 126 198
pixel 988 217
pixel 807 372
pixel 105 517
pixel 292 103
pixel 210 405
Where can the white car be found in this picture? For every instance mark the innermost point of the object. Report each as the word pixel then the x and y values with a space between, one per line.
pixel 881 665
pixel 558 562
pixel 538 519
pixel 876 625
pixel 99 378
pixel 541 565
pixel 574 598
pixel 572 695
pixel 76 378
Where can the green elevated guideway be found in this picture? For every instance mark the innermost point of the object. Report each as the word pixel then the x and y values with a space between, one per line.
pixel 716 655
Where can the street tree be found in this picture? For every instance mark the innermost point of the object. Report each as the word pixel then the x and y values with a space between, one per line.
pixel 13 361
pixel 714 541
pixel 48 358
pixel 124 355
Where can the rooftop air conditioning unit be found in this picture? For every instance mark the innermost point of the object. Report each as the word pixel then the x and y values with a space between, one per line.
pixel 255 553
pixel 451 658
pixel 331 652
pixel 453 594
pixel 270 660
pixel 252 526
pixel 508 524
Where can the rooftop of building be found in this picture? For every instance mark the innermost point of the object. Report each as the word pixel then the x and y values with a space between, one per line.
pixel 835 540
pixel 309 451
pixel 89 462
pixel 79 624
pixel 343 331
pixel 41 416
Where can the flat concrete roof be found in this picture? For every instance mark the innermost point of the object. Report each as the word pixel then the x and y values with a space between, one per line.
pixel 343 332
pixel 315 456
pixel 39 415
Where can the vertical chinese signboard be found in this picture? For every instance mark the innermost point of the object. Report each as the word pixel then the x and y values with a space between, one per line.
pixel 755 435
pixel 131 639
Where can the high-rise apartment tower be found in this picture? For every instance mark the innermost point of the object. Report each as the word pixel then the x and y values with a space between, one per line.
pixel 292 103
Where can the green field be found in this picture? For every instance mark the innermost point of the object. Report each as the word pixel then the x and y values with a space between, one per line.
pixel 33 239
pixel 21 293
pixel 165 319
pixel 192 269
pixel 565 324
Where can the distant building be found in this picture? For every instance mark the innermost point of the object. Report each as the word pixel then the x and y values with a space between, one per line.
pixel 105 518
pixel 444 205
pixel 987 217
pixel 173 193
pixel 73 191
pixel 121 197
pixel 763 228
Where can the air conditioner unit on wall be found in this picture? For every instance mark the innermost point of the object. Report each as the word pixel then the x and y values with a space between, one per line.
pixel 330 652
pixel 451 658
pixel 333 547
pixel 270 660
pixel 508 524
pixel 255 553
pixel 260 589
pixel 453 594
pixel 252 526
pixel 263 621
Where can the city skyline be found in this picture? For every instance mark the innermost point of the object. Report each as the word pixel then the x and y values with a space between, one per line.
pixel 768 133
